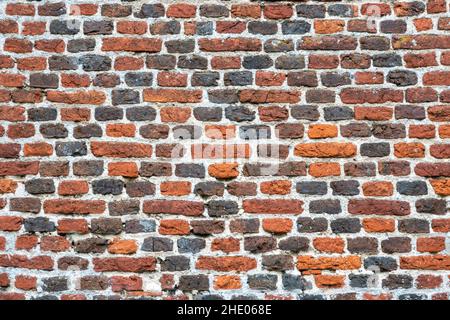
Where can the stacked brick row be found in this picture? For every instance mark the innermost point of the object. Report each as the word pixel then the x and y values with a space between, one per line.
pixel 224 149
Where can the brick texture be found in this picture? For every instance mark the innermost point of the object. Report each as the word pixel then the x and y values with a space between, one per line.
pixel 224 149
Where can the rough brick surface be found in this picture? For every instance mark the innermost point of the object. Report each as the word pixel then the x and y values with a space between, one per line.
pixel 236 148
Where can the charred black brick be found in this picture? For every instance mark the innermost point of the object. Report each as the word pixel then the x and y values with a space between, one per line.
pixel 381 149
pixel 244 225
pixel 165 28
pixel 355 130
pixel 305 112
pixel 107 186
pixel 218 208
pixel 398 168
pixel 289 62
pixel 108 113
pixel 139 79
pixel 106 226
pixel 94 283
pixel 141 114
pixel 42 114
pixel 125 96
pixel 25 204
pixel 388 60
pixel 88 168
pixel 238 78
pixel 340 10
pixel 140 226
pixel 180 46
pixel 293 282
pixel 251 132
pixel 191 245
pixel 205 79
pixel 345 187
pixel 106 80
pixel 91 245
pixel 375 43
pixel 312 187
pixel 311 11
pixel 39 224
pixel 414 226
pixel 330 206
pixel 278 262
pixel 338 113
pixel 209 189
pixel 54 284
pixel 402 78
pixel 193 282
pixel 40 186
pixel 397 281
pixel 80 45
pixel 311 225
pixel 362 245
pixel 52 9
pixel 396 245
pixel 140 188
pixel 359 280
pixel 62 63
pixel 207 227
pixel 72 263
pixel 320 96
pixel 262 281
pixel 262 27
pixel 87 131
pixel 154 131
pixel 410 112
pixel 161 62
pixel 123 207
pixel 204 28
pixel 223 96
pixel 431 206
pixel 302 79
pixel 380 264
pixel 70 149
pixel 257 62
pixel 192 62
pixel 44 80
pixel 184 132
pixel 53 130
pixel 239 113
pixel 208 113
pixel 346 225
pixel 412 188
pixel 335 79
pixel 393 26
pixel 65 27
pixel 214 11
pixel 295 27
pixel 175 263
pixel 294 244
pixel 157 169
pixel 259 244
pixel 412 296
pixel 102 27
pixel 157 244
pixel 95 62
pixel 360 169
pixel 154 10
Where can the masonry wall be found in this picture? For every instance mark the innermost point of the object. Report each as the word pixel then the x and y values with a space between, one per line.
pixel 230 149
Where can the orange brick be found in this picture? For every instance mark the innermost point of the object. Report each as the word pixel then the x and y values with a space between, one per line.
pixel 277 225
pixel 324 169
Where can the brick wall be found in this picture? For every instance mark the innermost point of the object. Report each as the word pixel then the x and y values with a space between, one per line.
pixel 224 148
